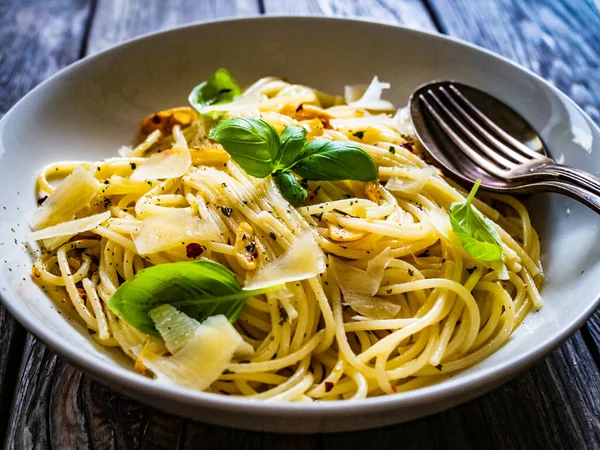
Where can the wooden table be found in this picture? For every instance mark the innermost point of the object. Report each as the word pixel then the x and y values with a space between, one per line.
pixel 46 403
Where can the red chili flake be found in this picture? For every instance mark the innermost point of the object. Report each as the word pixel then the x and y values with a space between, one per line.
pixel 193 250
pixel 42 200
pixel 328 386
pixel 394 388
pixel 407 145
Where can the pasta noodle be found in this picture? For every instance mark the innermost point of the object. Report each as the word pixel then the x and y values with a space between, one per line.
pixel 434 311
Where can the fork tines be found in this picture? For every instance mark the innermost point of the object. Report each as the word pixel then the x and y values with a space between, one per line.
pixel 475 134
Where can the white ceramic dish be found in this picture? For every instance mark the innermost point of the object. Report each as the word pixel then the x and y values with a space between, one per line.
pixel 91 108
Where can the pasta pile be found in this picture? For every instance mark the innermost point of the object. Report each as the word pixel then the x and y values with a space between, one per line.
pixel 400 305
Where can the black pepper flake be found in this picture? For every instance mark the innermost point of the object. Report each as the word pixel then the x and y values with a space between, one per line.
pixel 503 308
pixel 283 315
pixel 156 119
pixel 347 196
pixel 224 185
pixel 359 134
pixel 470 270
pixel 273 236
pixel 411 272
pixel 389 291
pixel 392 150
pixel 319 216
pixel 106 182
pixel 226 210
pixel 133 165
pixel 194 250
pixel 251 247
pixel 328 386
pixel 41 200
pixel 439 367
pixel 107 202
pixel 424 254
pixel 91 331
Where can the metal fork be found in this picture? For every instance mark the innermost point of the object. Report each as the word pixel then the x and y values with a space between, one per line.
pixel 490 147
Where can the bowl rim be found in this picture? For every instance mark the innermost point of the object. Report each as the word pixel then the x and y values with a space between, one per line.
pixel 106 372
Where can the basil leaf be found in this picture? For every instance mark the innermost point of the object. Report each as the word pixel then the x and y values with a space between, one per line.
pixel 199 289
pixel 477 235
pixel 290 188
pixel 322 160
pixel 252 143
pixel 219 88
pixel 292 139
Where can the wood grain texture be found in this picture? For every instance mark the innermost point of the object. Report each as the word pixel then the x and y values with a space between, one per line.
pixel 559 40
pixel 553 406
pixel 410 13
pixel 118 20
pixel 36 40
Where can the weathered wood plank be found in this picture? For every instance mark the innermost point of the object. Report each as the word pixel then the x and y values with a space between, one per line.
pixel 11 341
pixel 118 20
pixel 559 40
pixel 410 13
pixel 592 334
pixel 38 38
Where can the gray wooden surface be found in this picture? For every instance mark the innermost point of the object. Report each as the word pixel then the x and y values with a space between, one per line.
pixel 46 403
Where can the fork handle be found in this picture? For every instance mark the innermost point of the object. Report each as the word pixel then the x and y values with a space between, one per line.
pixel 588 198
pixel 572 175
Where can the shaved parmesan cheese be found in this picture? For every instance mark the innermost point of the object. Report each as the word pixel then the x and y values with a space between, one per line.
pixel 70 228
pixel 402 122
pixel 176 329
pixel 303 260
pixel 170 163
pixel 370 98
pixel 375 308
pixel 169 229
pixel 413 183
pixel 359 286
pixel 203 358
pixel 71 195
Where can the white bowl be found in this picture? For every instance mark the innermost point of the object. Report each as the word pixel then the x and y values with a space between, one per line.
pixel 87 111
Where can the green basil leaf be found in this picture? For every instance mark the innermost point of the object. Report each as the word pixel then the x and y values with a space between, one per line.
pixel 290 188
pixel 322 160
pixel 478 237
pixel 252 143
pixel 292 139
pixel 219 88
pixel 199 289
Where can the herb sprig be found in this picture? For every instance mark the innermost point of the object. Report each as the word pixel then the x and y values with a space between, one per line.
pixel 200 289
pixel 220 88
pixel 260 151
pixel 477 235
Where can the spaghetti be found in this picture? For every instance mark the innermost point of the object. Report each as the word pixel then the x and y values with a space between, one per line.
pixel 433 310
